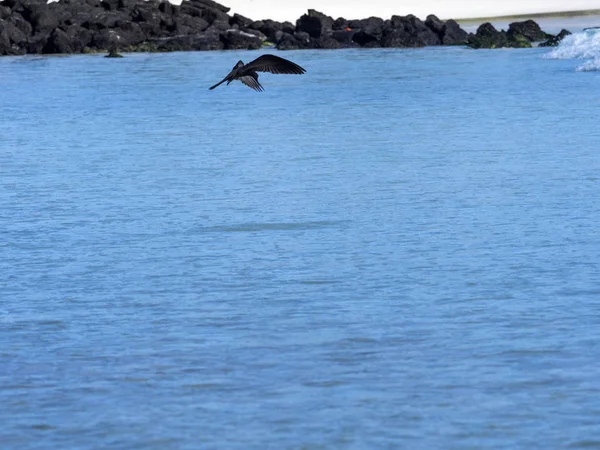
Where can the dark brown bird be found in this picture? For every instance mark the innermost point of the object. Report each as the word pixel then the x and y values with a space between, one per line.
pixel 246 73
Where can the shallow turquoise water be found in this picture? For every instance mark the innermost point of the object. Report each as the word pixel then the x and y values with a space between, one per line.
pixel 399 249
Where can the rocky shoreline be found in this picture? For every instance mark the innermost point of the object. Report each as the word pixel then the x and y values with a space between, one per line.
pixel 84 26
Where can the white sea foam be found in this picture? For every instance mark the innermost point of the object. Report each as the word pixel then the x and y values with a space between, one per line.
pixel 590 66
pixel 582 45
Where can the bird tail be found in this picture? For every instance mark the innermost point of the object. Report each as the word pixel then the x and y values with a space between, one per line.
pixel 219 83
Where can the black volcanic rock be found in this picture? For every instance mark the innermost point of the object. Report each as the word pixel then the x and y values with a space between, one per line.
pixel 17 5
pixel 519 35
pixel 364 39
pixel 408 31
pixel 339 24
pixel 18 21
pixel 113 54
pixel 110 5
pixel 43 17
pixel 184 24
pixel 314 23
pixel 168 9
pixel 399 38
pixel 212 5
pixel 5 43
pixel 369 28
pixel 142 13
pixel 325 42
pixel 106 39
pixel 36 43
pixel 79 37
pixel 5 12
pixel 303 38
pixel 12 38
pixel 528 29
pixel 240 21
pixel 58 42
pixel 436 25
pixel 345 37
pixel 449 32
pixel 190 9
pixel 239 40
pixel 488 37
pixel 268 27
pixel 553 41
pixel 453 34
pixel 288 42
pixel 202 41
pixel 415 27
pixel 73 26
pixel 256 33
pixel 106 20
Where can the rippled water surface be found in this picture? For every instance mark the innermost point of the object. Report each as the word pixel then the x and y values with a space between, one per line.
pixel 399 249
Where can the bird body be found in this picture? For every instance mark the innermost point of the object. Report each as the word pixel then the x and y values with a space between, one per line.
pixel 247 73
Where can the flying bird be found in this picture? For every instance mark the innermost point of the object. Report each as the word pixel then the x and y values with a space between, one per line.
pixel 246 73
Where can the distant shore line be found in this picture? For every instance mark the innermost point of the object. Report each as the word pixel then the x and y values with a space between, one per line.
pixel 458 10
pixel 546 15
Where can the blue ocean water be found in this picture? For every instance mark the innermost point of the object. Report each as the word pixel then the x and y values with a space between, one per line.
pixel 398 249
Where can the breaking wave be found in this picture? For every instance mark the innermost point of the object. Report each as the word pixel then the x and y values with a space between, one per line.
pixel 581 45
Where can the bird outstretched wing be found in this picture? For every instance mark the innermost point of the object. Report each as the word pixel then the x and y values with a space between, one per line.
pixel 273 64
pixel 251 82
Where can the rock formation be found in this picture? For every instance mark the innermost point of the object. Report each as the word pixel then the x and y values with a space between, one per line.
pixel 82 26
